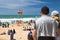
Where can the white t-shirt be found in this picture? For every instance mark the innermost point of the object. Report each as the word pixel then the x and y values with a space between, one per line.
pixel 46 26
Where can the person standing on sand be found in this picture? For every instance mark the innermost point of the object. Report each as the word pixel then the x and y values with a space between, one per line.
pixel 30 35
pixel 45 27
pixel 55 15
pixel 11 33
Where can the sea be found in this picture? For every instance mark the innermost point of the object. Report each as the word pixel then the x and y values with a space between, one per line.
pixel 18 16
pixel 9 18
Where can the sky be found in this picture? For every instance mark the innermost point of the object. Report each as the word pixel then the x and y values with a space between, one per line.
pixel 28 7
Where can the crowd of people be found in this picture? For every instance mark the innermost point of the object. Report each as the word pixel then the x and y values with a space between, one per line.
pixel 46 27
pixel 4 25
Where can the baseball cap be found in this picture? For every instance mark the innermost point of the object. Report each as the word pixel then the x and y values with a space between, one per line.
pixel 55 12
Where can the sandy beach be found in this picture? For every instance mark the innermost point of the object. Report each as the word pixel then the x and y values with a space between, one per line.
pixel 19 35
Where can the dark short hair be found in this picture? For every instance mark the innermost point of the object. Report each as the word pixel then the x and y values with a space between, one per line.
pixel 45 10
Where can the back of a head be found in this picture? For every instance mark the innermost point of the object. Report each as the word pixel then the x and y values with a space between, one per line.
pixel 45 10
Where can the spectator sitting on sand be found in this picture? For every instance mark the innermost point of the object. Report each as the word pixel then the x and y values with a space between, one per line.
pixel 2 33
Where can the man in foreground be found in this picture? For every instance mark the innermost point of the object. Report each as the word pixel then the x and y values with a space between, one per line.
pixel 45 27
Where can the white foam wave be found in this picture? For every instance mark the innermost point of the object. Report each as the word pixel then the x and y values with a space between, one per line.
pixel 12 19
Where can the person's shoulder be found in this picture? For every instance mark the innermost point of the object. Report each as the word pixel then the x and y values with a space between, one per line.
pixel 51 18
pixel 39 19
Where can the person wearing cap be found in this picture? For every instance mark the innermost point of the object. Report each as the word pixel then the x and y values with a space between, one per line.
pixel 45 26
pixel 55 15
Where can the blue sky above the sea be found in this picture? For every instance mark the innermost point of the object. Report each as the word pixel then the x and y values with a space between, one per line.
pixel 29 7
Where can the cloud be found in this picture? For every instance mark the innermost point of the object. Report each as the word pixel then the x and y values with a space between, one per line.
pixel 39 2
pixel 9 6
pixel 13 4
